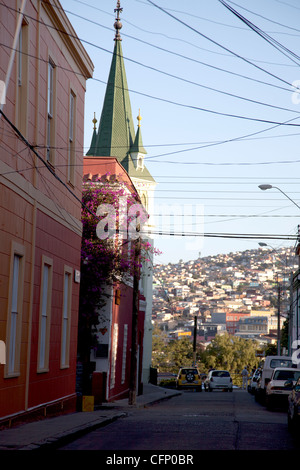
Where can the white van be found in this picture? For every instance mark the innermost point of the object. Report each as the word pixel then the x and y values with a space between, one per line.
pixel 271 363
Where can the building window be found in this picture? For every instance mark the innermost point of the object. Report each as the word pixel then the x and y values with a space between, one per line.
pixel 114 356
pixel 66 318
pixel 22 79
pixel 45 315
pixel 14 324
pixel 71 149
pixel 140 162
pixel 124 353
pixel 51 112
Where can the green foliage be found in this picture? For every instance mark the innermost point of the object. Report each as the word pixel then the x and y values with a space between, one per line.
pixel 284 340
pixel 168 383
pixel 231 353
pixel 271 350
pixel 225 352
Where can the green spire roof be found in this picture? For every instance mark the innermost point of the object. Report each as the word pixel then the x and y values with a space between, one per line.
pixel 138 142
pixel 116 135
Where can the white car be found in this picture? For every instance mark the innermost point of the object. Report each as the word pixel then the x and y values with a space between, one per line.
pixel 277 390
pixel 218 380
pixel 253 381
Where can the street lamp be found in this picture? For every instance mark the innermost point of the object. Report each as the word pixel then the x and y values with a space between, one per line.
pixel 264 187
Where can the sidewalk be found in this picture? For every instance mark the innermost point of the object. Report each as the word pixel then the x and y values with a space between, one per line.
pixel 51 432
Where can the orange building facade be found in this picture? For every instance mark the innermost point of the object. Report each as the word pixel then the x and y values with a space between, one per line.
pixel 43 68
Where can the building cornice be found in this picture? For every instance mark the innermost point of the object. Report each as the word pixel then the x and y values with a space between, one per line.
pixel 66 31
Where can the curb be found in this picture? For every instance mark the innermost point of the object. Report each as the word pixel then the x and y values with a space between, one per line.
pixel 67 436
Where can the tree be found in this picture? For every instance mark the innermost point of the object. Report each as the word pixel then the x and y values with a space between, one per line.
pixel 180 353
pixel 284 340
pixel 231 353
pixel 271 350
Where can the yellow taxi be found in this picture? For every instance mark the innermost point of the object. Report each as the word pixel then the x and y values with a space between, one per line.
pixel 189 377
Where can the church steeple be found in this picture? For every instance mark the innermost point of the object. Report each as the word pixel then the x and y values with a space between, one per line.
pixel 94 138
pixel 116 135
pixel 137 150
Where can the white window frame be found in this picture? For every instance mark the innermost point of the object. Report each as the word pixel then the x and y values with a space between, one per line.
pixel 22 66
pixel 124 357
pixel 72 136
pixel 51 84
pixel 66 317
pixel 45 314
pixel 114 356
pixel 15 310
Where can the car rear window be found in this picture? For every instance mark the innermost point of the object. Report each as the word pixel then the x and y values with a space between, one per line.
pixel 281 363
pixel 220 373
pixel 187 371
pixel 286 374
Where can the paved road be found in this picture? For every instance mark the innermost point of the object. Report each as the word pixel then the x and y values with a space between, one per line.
pixel 196 421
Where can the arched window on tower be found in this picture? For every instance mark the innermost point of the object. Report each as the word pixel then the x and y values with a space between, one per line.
pixel 140 162
pixel 144 200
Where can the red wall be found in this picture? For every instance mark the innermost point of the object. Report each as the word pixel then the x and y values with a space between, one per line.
pixel 122 314
pixel 63 246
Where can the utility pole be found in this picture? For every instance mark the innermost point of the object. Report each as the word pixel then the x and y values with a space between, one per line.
pixel 195 341
pixel 278 318
pixel 135 313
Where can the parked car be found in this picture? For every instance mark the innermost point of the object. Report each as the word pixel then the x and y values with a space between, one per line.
pixel 253 381
pixel 189 377
pixel 279 387
pixel 271 362
pixel 218 380
pixel 293 411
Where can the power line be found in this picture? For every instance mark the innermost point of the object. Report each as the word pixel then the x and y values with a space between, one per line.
pixel 49 168
pixel 172 52
pixel 265 18
pixel 278 46
pixel 233 139
pixel 224 235
pixel 220 45
pixel 185 80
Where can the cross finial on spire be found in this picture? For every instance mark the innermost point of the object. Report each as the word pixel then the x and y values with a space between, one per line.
pixel 139 118
pixel 118 24
pixel 94 121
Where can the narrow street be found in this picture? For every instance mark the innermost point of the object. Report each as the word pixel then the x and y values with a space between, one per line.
pixel 196 421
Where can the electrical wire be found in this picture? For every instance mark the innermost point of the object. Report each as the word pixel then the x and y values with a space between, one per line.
pixel 168 51
pixel 220 45
pixel 157 70
pixel 264 17
pixel 277 45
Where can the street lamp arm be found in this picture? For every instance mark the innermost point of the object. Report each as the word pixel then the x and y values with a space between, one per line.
pixel 263 187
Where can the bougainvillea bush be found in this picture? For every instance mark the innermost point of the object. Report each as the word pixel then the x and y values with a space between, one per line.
pixel 107 255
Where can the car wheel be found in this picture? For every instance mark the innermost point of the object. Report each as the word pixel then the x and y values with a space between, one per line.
pixel 209 389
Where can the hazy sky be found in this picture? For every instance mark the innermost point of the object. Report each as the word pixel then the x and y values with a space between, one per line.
pixel 219 113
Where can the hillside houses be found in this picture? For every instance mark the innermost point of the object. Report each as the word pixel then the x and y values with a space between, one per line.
pixel 236 292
